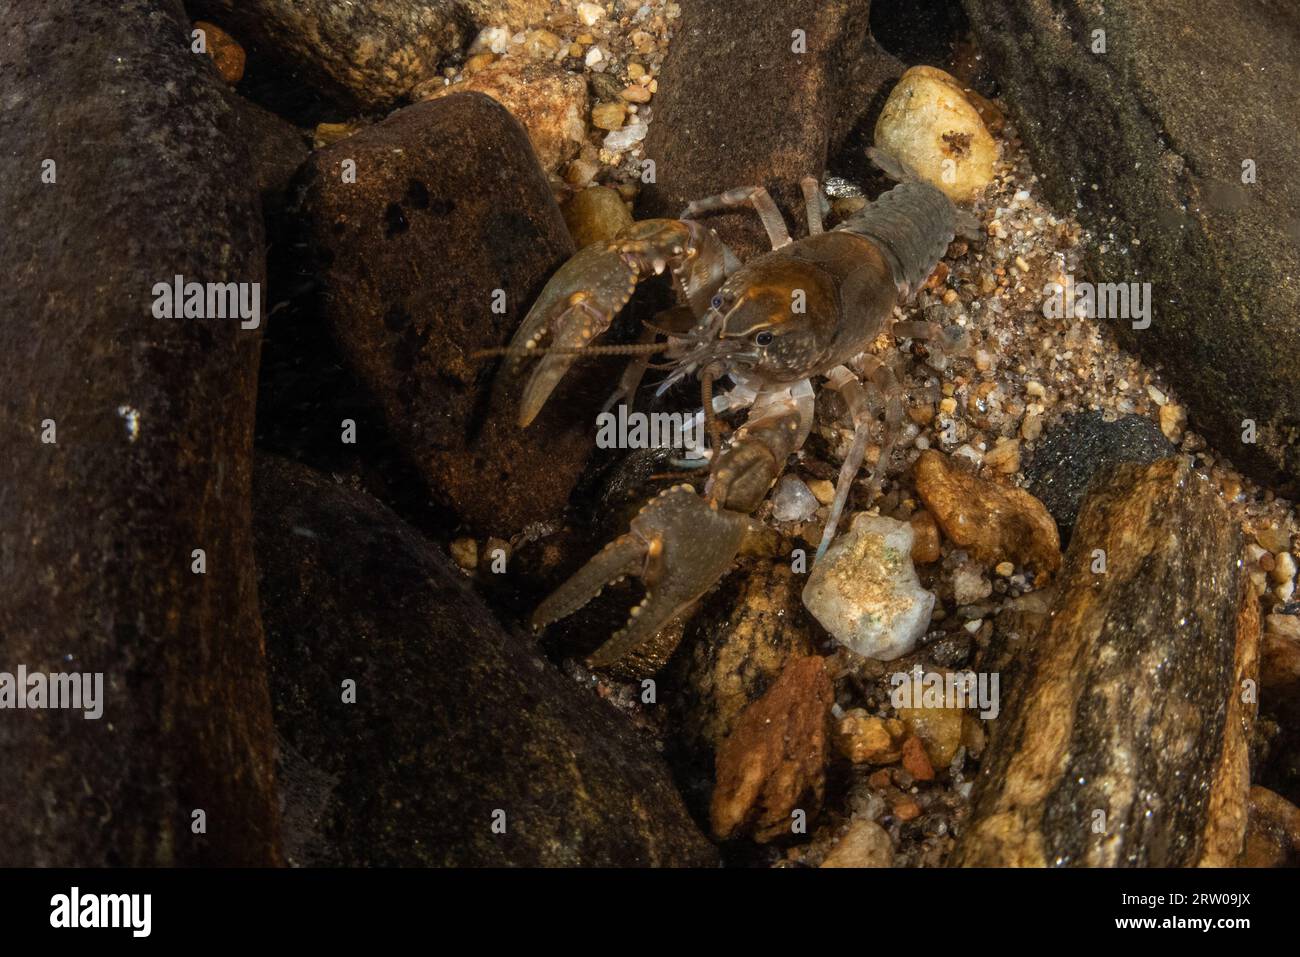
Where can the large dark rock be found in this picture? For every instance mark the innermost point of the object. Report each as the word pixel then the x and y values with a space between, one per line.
pixel 449 206
pixel 1123 741
pixel 739 107
pixel 152 457
pixel 454 718
pixel 376 53
pixel 1147 141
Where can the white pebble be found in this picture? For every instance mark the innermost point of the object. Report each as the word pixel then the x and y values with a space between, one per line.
pixel 594 56
pixel 589 13
pixel 626 138
pixel 494 39
pixel 865 591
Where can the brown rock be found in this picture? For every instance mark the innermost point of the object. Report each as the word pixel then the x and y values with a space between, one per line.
pixel 993 522
pixel 865 739
pixel 925 543
pixel 448 207
pixel 550 102
pixel 702 145
pixel 915 760
pixel 1129 702
pixel 864 844
pixel 595 214
pixel 128 445
pixel 774 762
pixel 904 808
pixel 226 53
pixel 1272 831
pixel 455 719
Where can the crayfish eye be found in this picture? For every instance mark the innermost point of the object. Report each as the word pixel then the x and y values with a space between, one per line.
pixel 716 302
pixel 763 339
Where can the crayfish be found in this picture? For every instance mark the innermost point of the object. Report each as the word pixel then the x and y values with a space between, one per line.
pixel 770 326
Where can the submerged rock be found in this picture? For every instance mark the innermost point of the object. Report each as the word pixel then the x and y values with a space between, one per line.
pixel 793 501
pixel 703 142
pixel 930 124
pixel 595 214
pixel 125 541
pixel 1272 831
pixel 437 249
pixel 864 844
pixel 865 592
pixel 462 747
pixel 375 53
pixel 993 522
pixel 737 644
pixel 1167 765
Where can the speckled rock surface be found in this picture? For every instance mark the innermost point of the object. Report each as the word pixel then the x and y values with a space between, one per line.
pixel 377 52
pixel 449 206
pixel 1129 700
pixel 550 102
pixel 1132 138
pixel 702 144
pixel 1082 445
pixel 454 718
pixel 152 457
pixel 276 149
pixel 736 646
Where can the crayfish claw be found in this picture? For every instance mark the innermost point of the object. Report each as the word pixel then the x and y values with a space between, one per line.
pixel 678 544
pixel 576 305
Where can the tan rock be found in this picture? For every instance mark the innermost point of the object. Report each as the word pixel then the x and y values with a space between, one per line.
pixel 1272 831
pixel 993 522
pixel 774 761
pixel 925 543
pixel 1004 457
pixel 595 214
pixel 327 133
pixel 864 844
pixel 550 103
pixel 1173 420
pixel 608 116
pixel 939 730
pixel 823 490
pixel 865 739
pixel 930 123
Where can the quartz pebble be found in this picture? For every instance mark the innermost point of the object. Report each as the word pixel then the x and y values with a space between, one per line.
pixel 793 501
pixel 865 591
